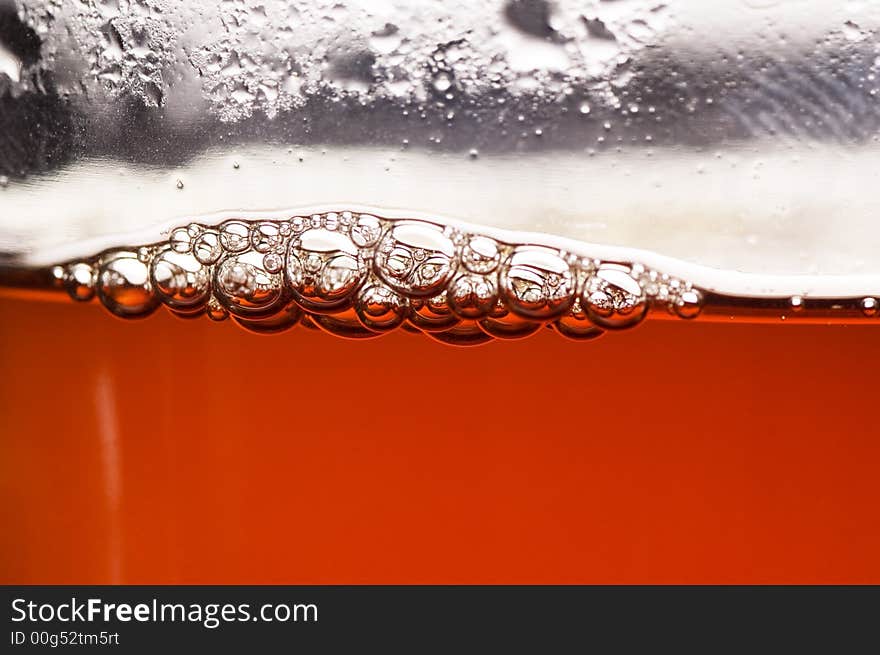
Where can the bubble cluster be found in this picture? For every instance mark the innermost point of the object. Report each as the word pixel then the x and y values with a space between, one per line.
pixel 359 276
pixel 324 269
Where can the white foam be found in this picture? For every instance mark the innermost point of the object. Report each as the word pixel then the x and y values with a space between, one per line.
pixel 760 222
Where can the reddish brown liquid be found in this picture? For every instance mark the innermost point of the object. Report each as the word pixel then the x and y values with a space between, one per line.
pixel 171 451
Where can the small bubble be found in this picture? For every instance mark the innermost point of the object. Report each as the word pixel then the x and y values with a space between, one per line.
pixel 584 108
pixel 442 82
pixel 180 240
pixel 870 306
pixel 216 311
pixel 539 132
pixel 179 184
pixel 689 304
pixel 124 286
pixel 613 298
pixel 235 165
pixel 80 282
pixel 473 153
pixel 797 303
pixel 4 181
pixel 273 262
